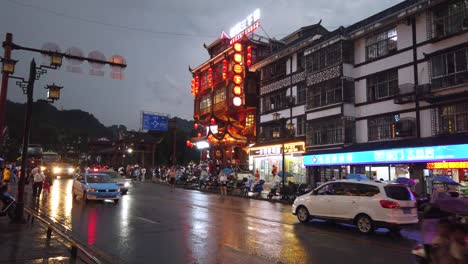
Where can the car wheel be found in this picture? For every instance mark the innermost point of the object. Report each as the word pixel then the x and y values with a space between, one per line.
pixel 124 192
pixel 364 224
pixel 303 214
pixel 116 201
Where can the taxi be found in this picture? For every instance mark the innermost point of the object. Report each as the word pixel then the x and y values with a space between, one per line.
pixel 95 186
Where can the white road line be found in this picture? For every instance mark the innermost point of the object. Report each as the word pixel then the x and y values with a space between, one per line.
pixel 146 220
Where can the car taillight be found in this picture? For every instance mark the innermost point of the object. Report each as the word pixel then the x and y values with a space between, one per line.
pixel 389 204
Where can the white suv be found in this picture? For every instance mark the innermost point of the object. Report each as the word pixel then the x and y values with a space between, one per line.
pixel 366 204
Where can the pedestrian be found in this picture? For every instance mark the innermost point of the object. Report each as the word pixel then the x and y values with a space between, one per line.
pixel 172 177
pixel 143 174
pixel 46 186
pixel 223 181
pixel 38 178
pixel 257 175
pixel 6 175
pixel 274 171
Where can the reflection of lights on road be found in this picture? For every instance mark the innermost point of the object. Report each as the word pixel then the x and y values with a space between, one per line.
pixel 124 215
pixel 92 219
pixel 68 198
pixel 55 197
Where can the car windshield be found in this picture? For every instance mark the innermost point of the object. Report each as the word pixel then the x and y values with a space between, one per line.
pixel 399 192
pixel 98 178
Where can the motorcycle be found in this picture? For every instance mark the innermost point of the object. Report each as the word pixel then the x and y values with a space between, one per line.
pixel 258 188
pixel 273 192
pixel 9 203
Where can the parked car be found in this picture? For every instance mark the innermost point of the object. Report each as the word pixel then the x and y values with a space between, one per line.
pixel 366 204
pixel 124 184
pixel 95 186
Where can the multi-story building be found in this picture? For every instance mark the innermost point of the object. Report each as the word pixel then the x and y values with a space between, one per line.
pixel 395 102
pixel 225 99
pixel 282 101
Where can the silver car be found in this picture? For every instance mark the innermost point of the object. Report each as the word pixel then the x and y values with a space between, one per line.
pixel 124 184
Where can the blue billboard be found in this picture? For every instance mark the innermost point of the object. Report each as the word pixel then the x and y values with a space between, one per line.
pixel 154 122
pixel 386 156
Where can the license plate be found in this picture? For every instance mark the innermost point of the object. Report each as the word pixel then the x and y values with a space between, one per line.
pixel 406 210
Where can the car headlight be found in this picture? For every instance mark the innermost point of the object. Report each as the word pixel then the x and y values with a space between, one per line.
pixel 126 184
pixel 71 170
pixel 43 168
pixel 57 170
pixel 92 190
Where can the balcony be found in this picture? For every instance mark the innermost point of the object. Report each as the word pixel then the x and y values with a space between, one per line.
pixel 405 94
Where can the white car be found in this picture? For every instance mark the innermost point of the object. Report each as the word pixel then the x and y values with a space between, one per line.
pixel 366 204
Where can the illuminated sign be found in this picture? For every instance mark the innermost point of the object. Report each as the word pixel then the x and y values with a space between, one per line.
pixel 244 24
pixel 290 148
pixel 448 165
pixel 247 31
pixel 400 155
pixel 202 145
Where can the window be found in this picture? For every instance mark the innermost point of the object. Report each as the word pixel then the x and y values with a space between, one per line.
pixel 301 121
pixel 354 189
pixel 220 96
pixel 449 18
pixel 453 118
pixel 249 120
pixel 327 190
pixel 450 69
pixel 328 131
pixel 381 44
pixel 400 193
pixel 323 58
pixel 276 133
pixel 301 93
pixel 273 71
pixel 205 103
pixel 382 85
pixel 382 127
pixel 274 101
pixel 300 62
pixel 269 132
pixel 325 93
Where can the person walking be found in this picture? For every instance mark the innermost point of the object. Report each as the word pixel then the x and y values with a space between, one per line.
pixel 46 186
pixel 6 175
pixel 38 179
pixel 223 182
pixel 143 174
pixel 172 177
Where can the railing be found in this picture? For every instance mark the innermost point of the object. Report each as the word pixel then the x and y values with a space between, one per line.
pixel 53 226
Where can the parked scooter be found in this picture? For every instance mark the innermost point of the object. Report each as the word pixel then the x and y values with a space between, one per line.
pixel 9 203
pixel 273 190
pixel 258 188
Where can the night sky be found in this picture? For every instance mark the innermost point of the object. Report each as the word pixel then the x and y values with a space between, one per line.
pixel 158 39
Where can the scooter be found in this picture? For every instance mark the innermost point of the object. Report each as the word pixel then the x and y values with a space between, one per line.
pixel 9 204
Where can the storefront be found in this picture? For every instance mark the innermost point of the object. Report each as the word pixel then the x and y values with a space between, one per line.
pixel 392 163
pixel 262 159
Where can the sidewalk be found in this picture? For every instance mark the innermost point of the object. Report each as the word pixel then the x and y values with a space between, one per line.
pixel 28 243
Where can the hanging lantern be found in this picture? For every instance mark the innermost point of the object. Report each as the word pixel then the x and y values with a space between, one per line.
pixel 249 56
pixel 238 57
pixel 197 84
pixel 237 90
pixel 210 77
pixel 237 101
pixel 238 68
pixel 195 126
pixel 212 121
pixel 237 79
pixel 237 47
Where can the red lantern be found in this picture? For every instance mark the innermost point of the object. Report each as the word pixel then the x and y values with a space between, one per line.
pixel 237 90
pixel 249 56
pixel 199 135
pixel 188 143
pixel 195 126
pixel 212 121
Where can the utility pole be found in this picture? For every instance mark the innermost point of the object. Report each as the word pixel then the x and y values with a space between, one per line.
pixel 19 217
pixel 3 95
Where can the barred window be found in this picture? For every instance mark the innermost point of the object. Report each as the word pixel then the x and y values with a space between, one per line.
pixel 448 19
pixel 205 103
pixel 301 121
pixel 324 58
pixel 381 44
pixel 382 85
pixel 453 118
pixel 274 101
pixel 325 93
pixel 249 120
pixel 382 127
pixel 301 93
pixel 330 131
pixel 450 69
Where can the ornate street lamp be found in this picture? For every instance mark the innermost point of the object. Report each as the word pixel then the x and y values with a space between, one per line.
pixel 55 60
pixel 8 65
pixel 53 92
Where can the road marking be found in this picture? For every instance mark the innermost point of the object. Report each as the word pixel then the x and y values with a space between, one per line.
pixel 147 220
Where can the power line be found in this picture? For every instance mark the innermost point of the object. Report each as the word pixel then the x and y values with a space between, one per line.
pixel 46 10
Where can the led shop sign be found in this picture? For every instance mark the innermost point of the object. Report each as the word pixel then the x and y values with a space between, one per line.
pixel 245 27
pixel 448 165
pixel 401 155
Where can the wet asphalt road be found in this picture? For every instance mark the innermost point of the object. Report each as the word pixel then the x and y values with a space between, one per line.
pixel 151 224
